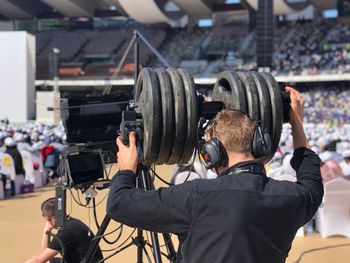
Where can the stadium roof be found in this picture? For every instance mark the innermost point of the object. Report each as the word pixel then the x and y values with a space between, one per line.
pixel 145 11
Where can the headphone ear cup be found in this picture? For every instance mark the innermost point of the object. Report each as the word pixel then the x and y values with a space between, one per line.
pixel 267 146
pixel 213 154
pixel 261 145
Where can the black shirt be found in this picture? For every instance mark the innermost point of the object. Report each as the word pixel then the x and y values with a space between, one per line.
pixel 238 217
pixel 76 241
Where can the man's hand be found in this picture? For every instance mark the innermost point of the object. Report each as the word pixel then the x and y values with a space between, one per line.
pixel 48 226
pixel 127 156
pixel 296 115
pixel 296 105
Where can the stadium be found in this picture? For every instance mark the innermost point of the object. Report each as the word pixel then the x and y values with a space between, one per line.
pixel 59 59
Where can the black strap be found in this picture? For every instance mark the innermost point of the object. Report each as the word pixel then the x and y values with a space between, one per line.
pixel 255 168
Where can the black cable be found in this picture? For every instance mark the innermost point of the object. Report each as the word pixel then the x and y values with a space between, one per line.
pixel 98 226
pixel 111 232
pixel 127 238
pixel 80 199
pixel 75 200
pixel 161 179
pixel 94 212
pixel 63 250
pixel 167 242
pixel 86 206
pixel 318 249
pixel 71 206
pixel 191 166
pixel 109 250
pixel 147 255
pixel 100 201
pixel 161 252
pixel 109 172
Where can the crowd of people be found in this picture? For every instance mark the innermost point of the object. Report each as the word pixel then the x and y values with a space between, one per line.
pixel 327 104
pixel 43 142
pixel 302 48
pixel 332 144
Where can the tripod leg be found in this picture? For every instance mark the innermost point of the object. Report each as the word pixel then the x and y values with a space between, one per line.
pixel 147 255
pixel 170 247
pixel 94 243
pixel 146 183
pixel 155 247
pixel 140 242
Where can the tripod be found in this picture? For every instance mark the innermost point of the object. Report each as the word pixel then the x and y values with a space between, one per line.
pixel 144 182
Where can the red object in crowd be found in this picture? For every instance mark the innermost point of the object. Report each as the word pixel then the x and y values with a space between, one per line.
pixel 35 165
pixel 46 151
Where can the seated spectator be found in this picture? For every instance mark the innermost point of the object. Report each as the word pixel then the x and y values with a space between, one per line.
pixel 330 168
pixel 75 238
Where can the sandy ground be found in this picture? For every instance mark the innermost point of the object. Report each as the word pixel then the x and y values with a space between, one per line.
pixel 21 227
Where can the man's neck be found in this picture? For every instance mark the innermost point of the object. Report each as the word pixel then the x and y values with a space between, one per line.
pixel 234 158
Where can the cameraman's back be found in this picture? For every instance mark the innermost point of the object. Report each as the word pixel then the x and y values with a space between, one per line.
pixel 248 217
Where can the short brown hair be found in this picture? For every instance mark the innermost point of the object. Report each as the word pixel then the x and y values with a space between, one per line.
pixel 48 207
pixel 234 129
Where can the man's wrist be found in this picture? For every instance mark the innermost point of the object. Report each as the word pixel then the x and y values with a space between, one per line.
pixel 126 171
pixel 127 175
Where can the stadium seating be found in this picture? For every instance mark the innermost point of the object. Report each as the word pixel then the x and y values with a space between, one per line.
pixel 305 48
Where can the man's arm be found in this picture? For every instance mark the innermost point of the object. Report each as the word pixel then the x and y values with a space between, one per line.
pixel 166 210
pixel 43 256
pixel 162 210
pixel 47 253
pixel 305 162
pixel 46 238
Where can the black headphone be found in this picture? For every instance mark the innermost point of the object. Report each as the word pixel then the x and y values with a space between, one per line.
pixel 214 155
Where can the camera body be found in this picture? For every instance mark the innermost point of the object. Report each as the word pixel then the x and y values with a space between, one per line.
pixel 132 121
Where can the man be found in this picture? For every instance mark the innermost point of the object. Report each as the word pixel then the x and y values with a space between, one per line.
pixel 11 149
pixel 330 168
pixel 75 237
pixel 242 216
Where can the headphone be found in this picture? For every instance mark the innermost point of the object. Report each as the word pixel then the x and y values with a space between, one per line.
pixel 214 155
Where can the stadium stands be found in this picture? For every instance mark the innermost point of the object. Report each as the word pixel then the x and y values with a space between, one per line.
pixel 91 53
pixel 181 44
pixel 301 48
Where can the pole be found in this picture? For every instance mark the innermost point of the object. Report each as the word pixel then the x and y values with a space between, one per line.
pixel 146 184
pixel 56 92
pixel 136 58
